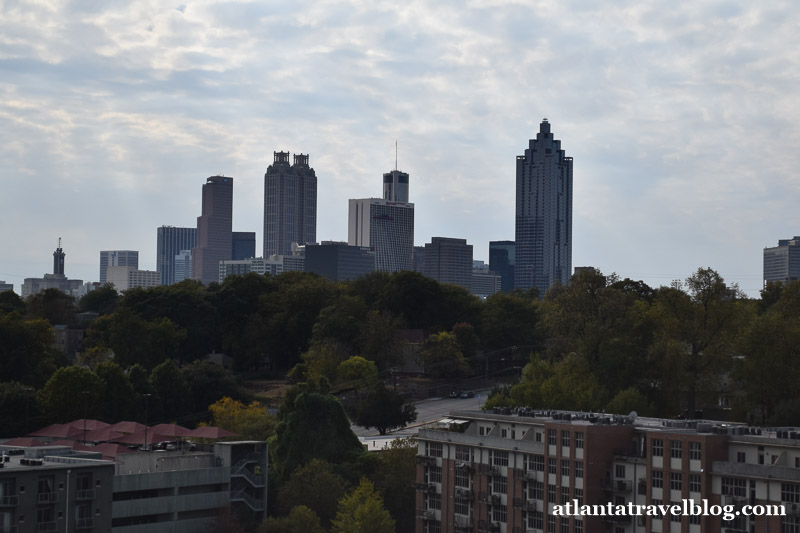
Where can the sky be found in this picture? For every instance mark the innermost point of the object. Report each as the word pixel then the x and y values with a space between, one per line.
pixel 682 119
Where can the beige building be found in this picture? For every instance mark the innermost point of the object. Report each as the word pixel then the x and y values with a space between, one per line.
pixel 125 277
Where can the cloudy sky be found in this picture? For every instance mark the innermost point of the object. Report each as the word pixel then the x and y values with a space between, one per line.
pixel 682 119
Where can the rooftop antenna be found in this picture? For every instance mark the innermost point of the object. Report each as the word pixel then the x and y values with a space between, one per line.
pixel 59 242
pixel 395 154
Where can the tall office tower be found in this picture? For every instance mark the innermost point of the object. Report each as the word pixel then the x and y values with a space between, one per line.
pixel 290 204
pixel 385 227
pixel 115 258
pixel 338 261
pixel 418 258
pixel 395 186
pixel 782 262
pixel 182 266
pixel 170 241
pixel 449 261
pixel 58 260
pixel 544 214
pixel 243 245
pixel 214 234
pixel 501 261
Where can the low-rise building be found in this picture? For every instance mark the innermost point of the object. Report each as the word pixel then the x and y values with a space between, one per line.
pixel 126 277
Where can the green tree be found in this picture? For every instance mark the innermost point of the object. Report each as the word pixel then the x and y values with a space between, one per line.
pixel 509 320
pixel 416 299
pixel 62 399
pixel 17 409
pixel 301 519
pixel 250 422
pixel 102 300
pixel 383 410
pixel 27 354
pixel 357 372
pixel 441 356
pixel 208 382
pixel 10 302
pixel 119 399
pixel 315 486
pixel 378 340
pixel 52 305
pixel 628 400
pixel 362 511
pixel 395 477
pixel 171 390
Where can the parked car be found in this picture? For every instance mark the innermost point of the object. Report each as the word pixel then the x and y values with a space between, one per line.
pixel 467 394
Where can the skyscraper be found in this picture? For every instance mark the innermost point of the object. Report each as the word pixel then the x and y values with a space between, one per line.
pixel 449 261
pixel 214 229
pixel 395 186
pixel 502 261
pixel 114 258
pixel 170 242
pixel 243 245
pixel 544 214
pixel 385 227
pixel 290 204
pixel 782 262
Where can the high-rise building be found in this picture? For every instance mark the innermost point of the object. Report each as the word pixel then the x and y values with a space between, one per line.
pixel 214 229
pixel 58 260
pixel 243 245
pixel 449 261
pixel 338 261
pixel 56 280
pixel 782 262
pixel 385 227
pixel 170 242
pixel 501 261
pixel 183 266
pixel 290 204
pixel 544 214
pixel 114 258
pixel 395 186
pixel 6 286
pixel 126 277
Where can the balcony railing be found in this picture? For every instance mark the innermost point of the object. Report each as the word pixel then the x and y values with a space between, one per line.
pixel 84 523
pixel 46 527
pixel 48 497
pixel 462 522
pixel 9 501
pixel 87 494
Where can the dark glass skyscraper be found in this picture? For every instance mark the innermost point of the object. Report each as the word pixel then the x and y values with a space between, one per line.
pixel 502 261
pixel 170 241
pixel 290 204
pixel 214 229
pixel 544 214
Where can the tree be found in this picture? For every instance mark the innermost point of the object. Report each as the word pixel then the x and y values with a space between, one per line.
pixel 172 393
pixel 395 477
pixel 26 350
pixel 362 511
pixel 52 305
pixel 509 320
pixel 357 372
pixel 441 356
pixel 250 422
pixel 62 399
pixel 11 302
pixel 208 382
pixel 301 519
pixel 102 300
pixel 17 409
pixel 314 486
pixel 383 410
pixel 119 399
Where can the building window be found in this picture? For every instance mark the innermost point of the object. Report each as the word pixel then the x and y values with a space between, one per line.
pixel 464 453
pixel 741 457
pixel 481 430
pixel 675 517
pixel 499 485
pixel 579 439
pixel 462 507
pixel 676 449
pixel 565 438
pixel 790 492
pixel 734 487
pixel 564 495
pixel 551 437
pixel 536 520
pixel 564 467
pixel 657 479
pixel 536 490
pixel 551 493
pixel 658 448
pixel 694 482
pixel 435 501
pixel 619 471
pixel 551 523
pixel 551 465
pixel 536 463
pixel 675 481
pixel 790 524
pixel 578 469
pixel 434 449
pixel 695 519
pixel 462 478
pixel 564 524
pixel 499 458
pixel 579 496
pixel 434 474
pixel 499 513
pixel 695 451
pixel 538 436
pixel 433 526
pixel 578 525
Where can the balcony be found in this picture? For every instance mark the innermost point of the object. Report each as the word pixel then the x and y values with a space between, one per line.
pixel 534 505
pixel 84 523
pixel 463 494
pixel 464 467
pixel 47 497
pixel 493 471
pixel 88 494
pixel 46 527
pixel 530 474
pixel 494 499
pixel 462 522
pixel 9 501
pixel 426 487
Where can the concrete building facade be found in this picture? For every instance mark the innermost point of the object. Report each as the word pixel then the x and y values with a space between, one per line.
pixel 449 260
pixel 56 280
pixel 126 277
pixel 338 261
pixel 385 227
pixel 782 262
pixel 290 204
pixel 117 258
pixel 214 229
pixel 170 243
pixel 543 232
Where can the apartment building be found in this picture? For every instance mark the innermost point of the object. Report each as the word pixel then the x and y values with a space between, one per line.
pixel 504 471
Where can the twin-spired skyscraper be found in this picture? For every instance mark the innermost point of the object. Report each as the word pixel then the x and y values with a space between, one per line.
pixel 290 204
pixel 544 214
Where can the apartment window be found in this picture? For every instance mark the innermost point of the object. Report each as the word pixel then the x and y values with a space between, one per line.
pixel 578 469
pixel 675 517
pixel 657 479
pixel 504 433
pixel 551 523
pixel 578 525
pixel 695 451
pixel 462 507
pixel 656 501
pixel 797 462
pixel 499 458
pixel 551 465
pixel 579 439
pixel 675 481
pixel 464 453
pixel 675 449
pixel 499 513
pixel 790 492
pixel 658 447
pixel 694 482
pixel 536 463
pixel 499 484
pixel 433 526
pixel 695 519
pixel 551 493
pixel 761 455
pixel 564 495
pixel 462 478
pixel 435 501
pixel 434 474
pixel 536 490
pixel 741 457
pixel 619 471
pixel 734 487
pixel 481 430
pixel 579 496
pixel 790 524
pixel 434 449
pixel 565 438
pixel 536 520
pixel 564 467
pixel 551 437
pixel 564 525
pixel 538 436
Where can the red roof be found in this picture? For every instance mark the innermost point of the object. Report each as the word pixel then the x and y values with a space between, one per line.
pixel 102 435
pixel 126 427
pixel 212 432
pixel 90 424
pixel 63 431
pixel 173 430
pixel 23 442
pixel 139 438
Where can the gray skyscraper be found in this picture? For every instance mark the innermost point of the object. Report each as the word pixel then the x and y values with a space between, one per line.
pixel 214 229
pixel 502 261
pixel 544 214
pixel 290 204
pixel 395 186
pixel 116 258
pixel 449 261
pixel 243 245
pixel 170 242
pixel 782 262
pixel 385 227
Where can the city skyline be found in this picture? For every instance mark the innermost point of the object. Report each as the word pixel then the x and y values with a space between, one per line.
pixel 112 116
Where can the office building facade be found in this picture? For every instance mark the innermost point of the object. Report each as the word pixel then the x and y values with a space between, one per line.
pixel 170 242
pixel 449 260
pixel 395 186
pixel 543 232
pixel 182 266
pixel 385 227
pixel 338 261
pixel 243 245
pixel 502 259
pixel 782 262
pixel 290 204
pixel 113 258
pixel 214 229
pixel 125 277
